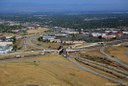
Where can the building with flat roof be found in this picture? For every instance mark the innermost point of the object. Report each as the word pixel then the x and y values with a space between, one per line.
pixel 48 37
pixel 5 43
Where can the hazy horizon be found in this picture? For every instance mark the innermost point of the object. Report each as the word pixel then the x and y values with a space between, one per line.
pixel 62 5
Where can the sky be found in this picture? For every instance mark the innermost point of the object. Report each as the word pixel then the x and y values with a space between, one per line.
pixel 63 5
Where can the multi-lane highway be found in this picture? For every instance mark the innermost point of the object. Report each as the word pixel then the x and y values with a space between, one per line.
pixel 111 69
pixel 106 69
pixel 119 81
pixel 113 79
pixel 116 71
pixel 120 70
pixel 115 59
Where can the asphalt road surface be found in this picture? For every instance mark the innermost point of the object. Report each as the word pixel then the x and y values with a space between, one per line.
pixel 102 50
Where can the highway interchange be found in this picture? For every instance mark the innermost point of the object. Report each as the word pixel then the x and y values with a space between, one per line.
pixel 77 60
pixel 116 71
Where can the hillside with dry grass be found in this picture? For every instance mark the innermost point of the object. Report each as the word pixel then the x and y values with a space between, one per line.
pixel 120 52
pixel 46 70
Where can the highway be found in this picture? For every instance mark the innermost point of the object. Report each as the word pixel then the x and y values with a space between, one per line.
pixel 115 70
pixel 101 67
pixel 25 44
pixel 29 42
pixel 97 73
pixel 115 59
pixel 65 53
pixel 120 70
pixel 111 69
pixel 93 45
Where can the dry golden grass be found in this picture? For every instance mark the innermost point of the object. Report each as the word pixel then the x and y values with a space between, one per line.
pixel 45 44
pixel 39 30
pixel 20 44
pixel 49 45
pixel 22 54
pixel 91 52
pixel 119 52
pixel 8 34
pixel 48 70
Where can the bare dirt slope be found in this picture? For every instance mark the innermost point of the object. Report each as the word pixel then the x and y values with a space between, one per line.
pixel 51 70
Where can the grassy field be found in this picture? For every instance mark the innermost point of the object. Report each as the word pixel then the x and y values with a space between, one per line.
pixel 119 52
pixel 38 30
pixel 19 44
pixel 8 34
pixel 49 45
pixel 51 70
pixel 91 52
pixel 45 44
